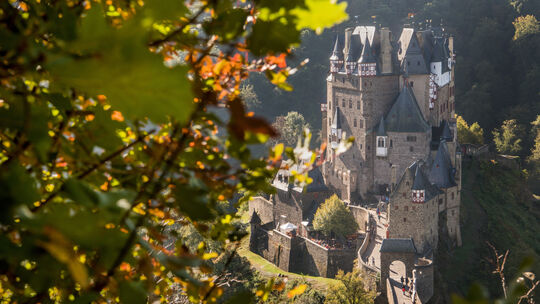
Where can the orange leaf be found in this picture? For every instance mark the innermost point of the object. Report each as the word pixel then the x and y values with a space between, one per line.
pixel 298 290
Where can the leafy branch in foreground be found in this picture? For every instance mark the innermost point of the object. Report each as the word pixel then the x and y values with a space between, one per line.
pixel 121 123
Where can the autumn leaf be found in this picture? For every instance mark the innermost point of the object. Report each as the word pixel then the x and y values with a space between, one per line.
pixel 298 290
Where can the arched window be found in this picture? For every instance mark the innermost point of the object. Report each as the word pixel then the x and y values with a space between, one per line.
pixel 381 142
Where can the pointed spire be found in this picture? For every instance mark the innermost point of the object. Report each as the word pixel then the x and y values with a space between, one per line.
pixel 337 54
pixel 441 169
pixel 381 130
pixel 446 133
pixel 420 181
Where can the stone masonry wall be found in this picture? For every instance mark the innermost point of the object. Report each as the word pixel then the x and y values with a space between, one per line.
pixel 401 153
pixel 287 204
pixel 263 207
pixel 361 215
pixel 279 249
pixel 340 259
pixel 413 220
pixel 310 259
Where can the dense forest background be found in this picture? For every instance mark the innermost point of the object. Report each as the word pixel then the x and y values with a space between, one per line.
pixel 497 76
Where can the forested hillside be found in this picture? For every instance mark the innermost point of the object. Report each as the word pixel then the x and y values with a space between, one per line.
pixel 497 71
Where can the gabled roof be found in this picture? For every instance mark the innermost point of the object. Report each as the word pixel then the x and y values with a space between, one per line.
pixel 337 53
pixel 398 245
pixel 441 173
pixel 367 53
pixel 381 131
pixel 410 53
pixel 438 51
pixel 355 49
pixel 336 121
pixel 405 115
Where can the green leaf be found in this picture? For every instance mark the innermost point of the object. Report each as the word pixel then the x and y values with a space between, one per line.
pixel 165 9
pixel 17 187
pixel 60 102
pixel 270 37
pixel 118 64
pixel 320 14
pixel 192 200
pixel 228 25
pixel 132 293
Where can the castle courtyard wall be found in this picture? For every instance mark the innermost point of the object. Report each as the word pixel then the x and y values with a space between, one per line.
pixel 263 207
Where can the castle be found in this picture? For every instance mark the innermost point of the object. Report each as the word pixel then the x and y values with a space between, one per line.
pixel 396 98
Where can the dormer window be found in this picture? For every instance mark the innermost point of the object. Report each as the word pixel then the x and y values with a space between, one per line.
pixel 418 196
pixel 382 149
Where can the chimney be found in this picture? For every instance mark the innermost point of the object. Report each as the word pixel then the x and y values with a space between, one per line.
pixel 347 46
pixel 386 50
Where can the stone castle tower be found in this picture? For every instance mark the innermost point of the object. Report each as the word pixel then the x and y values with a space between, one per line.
pixel 396 98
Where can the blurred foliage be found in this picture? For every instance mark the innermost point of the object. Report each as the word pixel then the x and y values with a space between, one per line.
pixel 122 125
pixel 357 287
pixel 290 127
pixel 508 137
pixel 472 134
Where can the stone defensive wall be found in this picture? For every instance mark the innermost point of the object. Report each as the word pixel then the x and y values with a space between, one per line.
pixel 423 272
pixel 263 207
pixel 361 215
pixel 300 255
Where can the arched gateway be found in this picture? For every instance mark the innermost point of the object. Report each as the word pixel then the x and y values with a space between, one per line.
pixel 396 250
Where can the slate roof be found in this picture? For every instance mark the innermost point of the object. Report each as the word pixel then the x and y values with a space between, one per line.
pixel 355 49
pixel 255 219
pixel 421 180
pixel 438 51
pixel 405 115
pixel 398 245
pixel 318 181
pixel 367 54
pixel 337 53
pixel 446 133
pixel 442 173
pixel 410 53
pixel 336 121
pixel 381 130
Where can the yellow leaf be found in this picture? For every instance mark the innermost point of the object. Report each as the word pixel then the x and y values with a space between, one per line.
pixel 298 290
pixel 210 255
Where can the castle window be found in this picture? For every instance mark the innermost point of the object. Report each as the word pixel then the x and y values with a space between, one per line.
pixel 358 104
pixel 355 122
pixel 396 207
pixel 343 103
pixel 391 143
pixel 440 201
pixel 452 195
pixel 350 104
pixel 411 138
pixel 361 123
pixel 368 147
pixel 381 143
pixel 411 149
pixel 404 219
